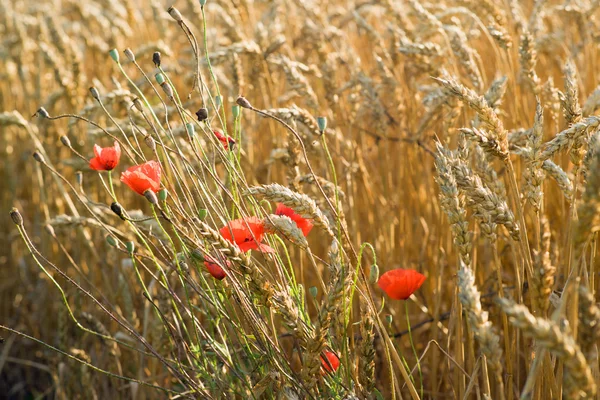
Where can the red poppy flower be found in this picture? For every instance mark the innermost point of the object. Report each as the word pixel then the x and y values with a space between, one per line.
pixel 106 158
pixel 332 363
pixel 143 177
pixel 399 284
pixel 302 223
pixel 228 142
pixel 214 269
pixel 246 239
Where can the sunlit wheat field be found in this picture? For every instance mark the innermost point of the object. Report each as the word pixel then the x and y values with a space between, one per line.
pixel 296 199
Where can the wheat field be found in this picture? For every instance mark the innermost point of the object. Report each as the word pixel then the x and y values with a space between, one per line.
pixel 299 199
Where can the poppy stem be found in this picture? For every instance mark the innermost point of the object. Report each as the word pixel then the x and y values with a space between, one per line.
pixel 110 185
pixel 412 345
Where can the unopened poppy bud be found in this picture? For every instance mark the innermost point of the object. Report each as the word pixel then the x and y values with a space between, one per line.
pixel 175 14
pixel 202 114
pixel 322 123
pixel 151 197
pixel 160 78
pixel 218 101
pixel 114 54
pixel 197 254
pixel 42 113
pixel 374 274
pixel 95 93
pixel 313 291
pixel 202 3
pixel 50 229
pixel 167 89
pixel 150 142
pixel 16 217
pixel 163 194
pixel 129 54
pixel 38 157
pixel 156 59
pixel 389 319
pixel 242 102
pixel 202 213
pixel 191 131
pixel 64 139
pixel 112 241
pixel 235 110
pixel 117 209
pixel 130 247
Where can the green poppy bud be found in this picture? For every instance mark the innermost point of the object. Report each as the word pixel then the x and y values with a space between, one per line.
pixel 163 194
pixel 322 123
pixel 130 247
pixel 202 213
pixel 374 274
pixel 313 291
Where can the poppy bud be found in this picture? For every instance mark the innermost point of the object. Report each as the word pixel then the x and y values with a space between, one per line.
pixel 16 217
pixel 65 140
pixel 235 110
pixel 117 209
pixel 202 114
pixel 112 241
pixel 160 78
pixel 129 54
pixel 197 254
pixel 202 213
pixel 313 291
pixel 94 92
pixel 156 59
pixel 389 319
pixel 50 229
pixel 218 101
pixel 114 54
pixel 167 89
pixel 150 142
pixel 163 194
pixel 175 14
pixel 38 157
pixel 189 127
pixel 374 274
pixel 42 113
pixel 151 197
pixel 202 3
pixel 322 123
pixel 242 102
pixel 130 247
pixel 137 103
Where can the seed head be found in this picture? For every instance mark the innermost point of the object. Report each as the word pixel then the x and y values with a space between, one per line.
pixel 94 92
pixel 242 102
pixel 137 103
pixel 202 114
pixel 129 54
pixel 150 142
pixel 156 59
pixel 38 157
pixel 16 217
pixel 42 113
pixel 175 14
pixel 151 197
pixel 64 139
pixel 50 229
pixel 167 89
pixel 117 209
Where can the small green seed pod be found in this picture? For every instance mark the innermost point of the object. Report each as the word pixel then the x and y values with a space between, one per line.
pixel 114 54
pixel 313 291
pixel 112 241
pixel 374 274
pixel 202 213
pixel 322 123
pixel 130 247
pixel 163 194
